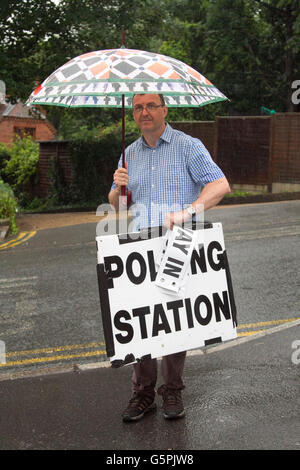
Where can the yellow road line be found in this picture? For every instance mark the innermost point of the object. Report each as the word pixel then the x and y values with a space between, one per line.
pixel 36 360
pixel 56 349
pixel 267 323
pixel 21 238
pixel 248 333
pixel 21 235
pixel 27 237
pixel 97 352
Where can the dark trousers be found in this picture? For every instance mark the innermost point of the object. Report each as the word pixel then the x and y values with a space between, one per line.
pixel 144 375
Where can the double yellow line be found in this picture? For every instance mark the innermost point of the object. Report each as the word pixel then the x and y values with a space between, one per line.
pixel 95 349
pixel 49 354
pixel 247 326
pixel 21 238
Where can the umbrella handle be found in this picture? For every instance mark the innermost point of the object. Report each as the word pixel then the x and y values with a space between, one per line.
pixel 126 197
pixel 129 198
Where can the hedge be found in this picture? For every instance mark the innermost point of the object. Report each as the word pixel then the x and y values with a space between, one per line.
pixel 94 156
pixel 8 206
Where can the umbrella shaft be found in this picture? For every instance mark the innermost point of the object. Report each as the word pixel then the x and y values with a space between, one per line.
pixel 123 189
pixel 123 131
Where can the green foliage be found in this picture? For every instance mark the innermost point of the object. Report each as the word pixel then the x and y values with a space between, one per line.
pixel 250 49
pixel 4 156
pixel 22 164
pixel 23 27
pixel 8 206
pixel 94 156
pixel 70 121
pixel 59 193
pixel 36 204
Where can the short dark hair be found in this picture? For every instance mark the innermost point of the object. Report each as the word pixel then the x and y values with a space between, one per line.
pixel 162 100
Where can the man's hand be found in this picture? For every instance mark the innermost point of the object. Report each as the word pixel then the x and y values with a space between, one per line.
pixel 177 218
pixel 121 177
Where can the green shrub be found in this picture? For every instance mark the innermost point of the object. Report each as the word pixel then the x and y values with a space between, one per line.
pixel 4 157
pixel 21 166
pixel 94 157
pixel 35 204
pixel 59 193
pixel 8 206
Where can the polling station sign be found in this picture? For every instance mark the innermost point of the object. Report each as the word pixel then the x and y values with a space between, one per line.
pixel 165 293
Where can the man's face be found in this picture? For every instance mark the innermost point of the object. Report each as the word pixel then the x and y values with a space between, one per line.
pixel 149 120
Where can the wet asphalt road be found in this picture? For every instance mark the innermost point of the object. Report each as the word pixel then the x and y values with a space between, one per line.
pixel 49 293
pixel 239 398
pixel 244 396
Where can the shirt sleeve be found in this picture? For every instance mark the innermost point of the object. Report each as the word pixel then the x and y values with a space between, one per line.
pixel 201 166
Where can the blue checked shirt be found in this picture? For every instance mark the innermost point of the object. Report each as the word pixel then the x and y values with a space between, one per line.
pixel 168 177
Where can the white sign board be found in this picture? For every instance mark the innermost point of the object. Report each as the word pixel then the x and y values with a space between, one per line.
pixel 143 319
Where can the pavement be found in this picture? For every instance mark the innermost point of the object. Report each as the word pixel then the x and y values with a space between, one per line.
pixel 240 395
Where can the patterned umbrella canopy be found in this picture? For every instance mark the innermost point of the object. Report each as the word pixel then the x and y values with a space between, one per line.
pixel 100 78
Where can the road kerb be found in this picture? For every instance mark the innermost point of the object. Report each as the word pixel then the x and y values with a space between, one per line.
pixel 107 364
pixel 211 349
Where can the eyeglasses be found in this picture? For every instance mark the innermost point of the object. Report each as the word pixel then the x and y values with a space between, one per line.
pixel 149 107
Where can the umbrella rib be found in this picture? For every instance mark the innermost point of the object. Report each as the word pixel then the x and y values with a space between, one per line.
pixel 128 80
pixel 176 105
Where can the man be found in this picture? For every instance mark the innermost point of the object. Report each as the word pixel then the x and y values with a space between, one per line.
pixel 165 168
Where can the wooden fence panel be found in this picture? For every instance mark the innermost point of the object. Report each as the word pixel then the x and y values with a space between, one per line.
pixel 254 150
pixel 242 149
pixel 286 148
pixel 204 130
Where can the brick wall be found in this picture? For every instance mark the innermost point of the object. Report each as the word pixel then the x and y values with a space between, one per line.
pixel 43 130
pixel 49 150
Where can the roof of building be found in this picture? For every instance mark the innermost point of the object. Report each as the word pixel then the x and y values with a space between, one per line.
pixel 21 111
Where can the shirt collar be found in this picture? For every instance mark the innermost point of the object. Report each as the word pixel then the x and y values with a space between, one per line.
pixel 166 135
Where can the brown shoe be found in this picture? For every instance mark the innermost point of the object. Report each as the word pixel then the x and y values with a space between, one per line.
pixel 138 405
pixel 172 402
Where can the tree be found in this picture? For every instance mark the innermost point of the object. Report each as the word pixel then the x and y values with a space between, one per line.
pixel 283 20
pixel 183 37
pixel 38 36
pixel 250 49
pixel 23 25
pixel 253 51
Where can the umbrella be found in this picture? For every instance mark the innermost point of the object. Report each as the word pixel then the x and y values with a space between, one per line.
pixel 110 78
